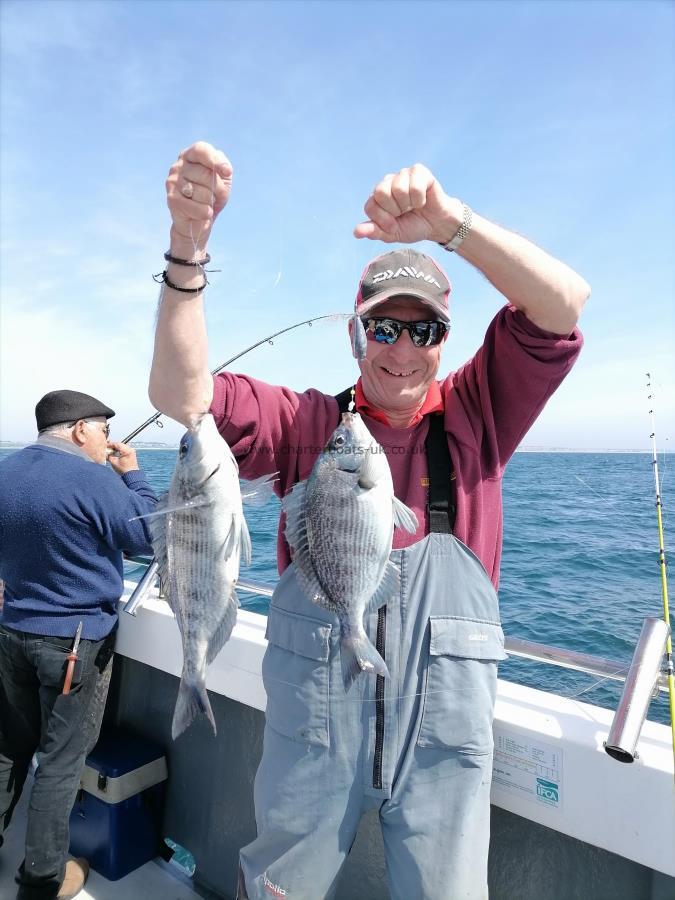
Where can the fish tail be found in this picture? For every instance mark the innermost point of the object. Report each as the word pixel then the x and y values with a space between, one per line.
pixel 358 655
pixel 192 700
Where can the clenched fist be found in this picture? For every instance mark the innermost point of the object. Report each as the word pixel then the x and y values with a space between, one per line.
pixel 408 207
pixel 197 188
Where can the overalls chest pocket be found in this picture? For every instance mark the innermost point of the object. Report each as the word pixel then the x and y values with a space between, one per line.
pixel 295 673
pixel 461 684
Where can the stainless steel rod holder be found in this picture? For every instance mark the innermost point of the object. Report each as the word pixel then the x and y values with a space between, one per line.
pixel 142 589
pixel 638 691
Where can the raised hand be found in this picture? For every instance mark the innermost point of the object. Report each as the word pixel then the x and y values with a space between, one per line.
pixel 408 207
pixel 197 189
pixel 122 457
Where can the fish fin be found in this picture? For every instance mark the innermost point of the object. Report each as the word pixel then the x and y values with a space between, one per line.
pixel 317 595
pixel 295 532
pixel 158 539
pixel 192 699
pixel 259 491
pixel 388 587
pixel 245 547
pixel 232 539
pixel 165 510
pixel 404 517
pixel 368 474
pixel 157 529
pixel 293 506
pixel 358 655
pixel 309 581
pixel 224 629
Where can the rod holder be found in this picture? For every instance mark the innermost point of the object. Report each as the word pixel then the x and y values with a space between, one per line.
pixel 638 691
pixel 142 589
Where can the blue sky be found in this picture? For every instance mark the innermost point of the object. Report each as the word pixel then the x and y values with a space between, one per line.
pixel 554 119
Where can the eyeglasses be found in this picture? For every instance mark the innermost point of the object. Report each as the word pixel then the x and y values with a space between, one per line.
pixel 422 334
pixel 105 428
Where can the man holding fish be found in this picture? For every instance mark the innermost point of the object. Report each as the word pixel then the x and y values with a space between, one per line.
pixel 384 631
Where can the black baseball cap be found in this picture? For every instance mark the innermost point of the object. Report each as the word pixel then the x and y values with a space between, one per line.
pixel 68 406
pixel 406 273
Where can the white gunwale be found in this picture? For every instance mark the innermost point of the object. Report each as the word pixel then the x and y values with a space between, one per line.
pixel 628 809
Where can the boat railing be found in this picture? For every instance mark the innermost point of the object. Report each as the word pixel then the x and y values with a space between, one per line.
pixel 518 647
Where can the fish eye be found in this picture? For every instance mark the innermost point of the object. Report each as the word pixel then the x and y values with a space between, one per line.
pixel 339 440
pixel 183 449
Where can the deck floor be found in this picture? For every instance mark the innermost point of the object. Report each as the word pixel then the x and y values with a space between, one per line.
pixel 156 880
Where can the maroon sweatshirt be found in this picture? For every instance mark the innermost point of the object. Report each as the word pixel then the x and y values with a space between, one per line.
pixel 489 404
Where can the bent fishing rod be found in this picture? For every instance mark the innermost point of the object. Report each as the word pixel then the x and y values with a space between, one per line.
pixel 137 598
pixel 670 673
pixel 266 340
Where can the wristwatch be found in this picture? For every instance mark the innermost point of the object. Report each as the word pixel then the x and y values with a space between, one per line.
pixel 462 231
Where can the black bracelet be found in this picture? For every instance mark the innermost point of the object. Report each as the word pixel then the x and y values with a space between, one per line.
pixel 187 262
pixel 163 277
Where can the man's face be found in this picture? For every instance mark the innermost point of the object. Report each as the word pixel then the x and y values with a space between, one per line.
pixel 94 438
pixel 396 377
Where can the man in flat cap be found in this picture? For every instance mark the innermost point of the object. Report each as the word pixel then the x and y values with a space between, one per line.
pixel 64 524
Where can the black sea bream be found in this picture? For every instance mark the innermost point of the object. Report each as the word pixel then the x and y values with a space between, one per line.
pixel 340 525
pixel 199 535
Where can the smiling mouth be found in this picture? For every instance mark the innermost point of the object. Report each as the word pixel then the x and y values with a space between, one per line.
pixel 398 374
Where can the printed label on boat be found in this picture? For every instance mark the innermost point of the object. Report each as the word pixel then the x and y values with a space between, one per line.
pixel 531 769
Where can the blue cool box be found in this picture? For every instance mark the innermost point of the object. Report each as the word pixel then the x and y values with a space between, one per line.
pixel 117 818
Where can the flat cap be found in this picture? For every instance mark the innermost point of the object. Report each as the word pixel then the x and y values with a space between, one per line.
pixel 68 406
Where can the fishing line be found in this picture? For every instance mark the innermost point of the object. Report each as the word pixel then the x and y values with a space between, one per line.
pixel 622 671
pixel 620 511
pixel 334 317
pixel 664 577
pixel 606 500
pixel 281 253
pixel 336 698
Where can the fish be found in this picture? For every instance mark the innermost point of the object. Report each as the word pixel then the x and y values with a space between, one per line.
pixel 340 526
pixel 358 337
pixel 199 536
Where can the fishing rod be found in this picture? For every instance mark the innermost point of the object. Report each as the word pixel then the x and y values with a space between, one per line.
pixel 137 598
pixel 670 674
pixel 267 340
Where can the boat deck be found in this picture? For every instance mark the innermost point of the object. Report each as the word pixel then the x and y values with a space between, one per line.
pixel 606 830
pixel 156 880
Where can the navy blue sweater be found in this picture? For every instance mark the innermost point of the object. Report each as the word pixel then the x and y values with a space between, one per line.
pixel 64 522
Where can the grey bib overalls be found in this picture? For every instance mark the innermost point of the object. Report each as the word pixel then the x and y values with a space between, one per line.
pixel 418 747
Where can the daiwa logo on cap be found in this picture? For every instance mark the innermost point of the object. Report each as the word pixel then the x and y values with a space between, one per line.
pixel 404 271
pixel 407 273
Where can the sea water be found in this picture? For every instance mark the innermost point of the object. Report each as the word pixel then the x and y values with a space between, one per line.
pixel 579 566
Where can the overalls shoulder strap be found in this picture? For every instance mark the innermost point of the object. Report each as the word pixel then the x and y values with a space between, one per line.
pixel 441 504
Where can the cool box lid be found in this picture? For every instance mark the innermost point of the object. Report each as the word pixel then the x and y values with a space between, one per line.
pixel 121 765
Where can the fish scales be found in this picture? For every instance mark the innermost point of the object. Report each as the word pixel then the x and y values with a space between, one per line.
pixel 199 537
pixel 337 525
pixel 340 524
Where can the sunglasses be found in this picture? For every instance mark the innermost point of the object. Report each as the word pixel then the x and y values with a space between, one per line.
pixel 422 334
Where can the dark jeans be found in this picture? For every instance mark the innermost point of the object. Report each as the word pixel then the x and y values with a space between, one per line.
pixel 35 717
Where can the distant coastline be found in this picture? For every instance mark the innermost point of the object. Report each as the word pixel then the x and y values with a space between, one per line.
pixel 142 445
pixel 587 450
pixel 137 445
